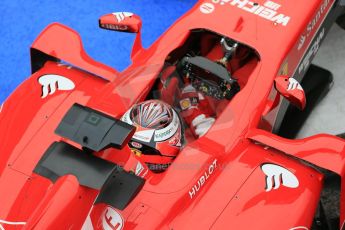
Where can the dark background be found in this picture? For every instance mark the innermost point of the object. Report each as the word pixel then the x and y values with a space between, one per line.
pixel 21 21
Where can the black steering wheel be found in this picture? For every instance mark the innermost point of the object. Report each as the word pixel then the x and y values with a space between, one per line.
pixel 209 77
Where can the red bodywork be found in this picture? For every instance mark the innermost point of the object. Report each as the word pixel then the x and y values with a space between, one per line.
pixel 217 181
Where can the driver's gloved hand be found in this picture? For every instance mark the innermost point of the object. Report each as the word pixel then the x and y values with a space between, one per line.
pixel 196 110
pixel 201 124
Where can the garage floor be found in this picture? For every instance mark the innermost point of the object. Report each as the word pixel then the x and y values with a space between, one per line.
pixel 329 115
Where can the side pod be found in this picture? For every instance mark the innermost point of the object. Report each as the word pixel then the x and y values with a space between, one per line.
pixel 324 151
pixel 58 42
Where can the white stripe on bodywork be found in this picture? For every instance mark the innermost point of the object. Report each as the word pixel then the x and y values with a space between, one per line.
pixel 87 224
pixel 9 223
pixel 294 84
pixel 120 16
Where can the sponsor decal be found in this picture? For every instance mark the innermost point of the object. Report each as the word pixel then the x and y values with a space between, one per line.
pixel 294 84
pixel 185 103
pixel 52 82
pixel 269 10
pixel 120 16
pixel 207 8
pixel 277 176
pixel 140 170
pixel 115 27
pixel 112 220
pixel 302 40
pixel 311 52
pixel 5 222
pixel 312 24
pixel 202 180
pixel 310 40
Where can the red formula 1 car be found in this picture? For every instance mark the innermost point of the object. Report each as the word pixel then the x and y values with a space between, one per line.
pixel 196 134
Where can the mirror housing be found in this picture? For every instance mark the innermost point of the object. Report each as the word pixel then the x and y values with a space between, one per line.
pixel 124 22
pixel 292 90
pixel 121 21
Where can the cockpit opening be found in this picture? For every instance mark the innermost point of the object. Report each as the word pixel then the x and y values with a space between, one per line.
pixel 197 81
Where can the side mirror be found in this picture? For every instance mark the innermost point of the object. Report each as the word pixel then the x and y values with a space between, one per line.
pixel 292 90
pixel 121 21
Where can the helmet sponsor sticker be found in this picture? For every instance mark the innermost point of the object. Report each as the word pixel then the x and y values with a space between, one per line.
pixel 277 176
pixel 136 145
pixel 169 131
pixel 269 10
pixel 144 136
pixel 52 82
pixel 176 139
pixel 112 219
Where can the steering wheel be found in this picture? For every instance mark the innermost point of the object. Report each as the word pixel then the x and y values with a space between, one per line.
pixel 209 77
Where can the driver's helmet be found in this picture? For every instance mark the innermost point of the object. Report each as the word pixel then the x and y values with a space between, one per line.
pixel 158 136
